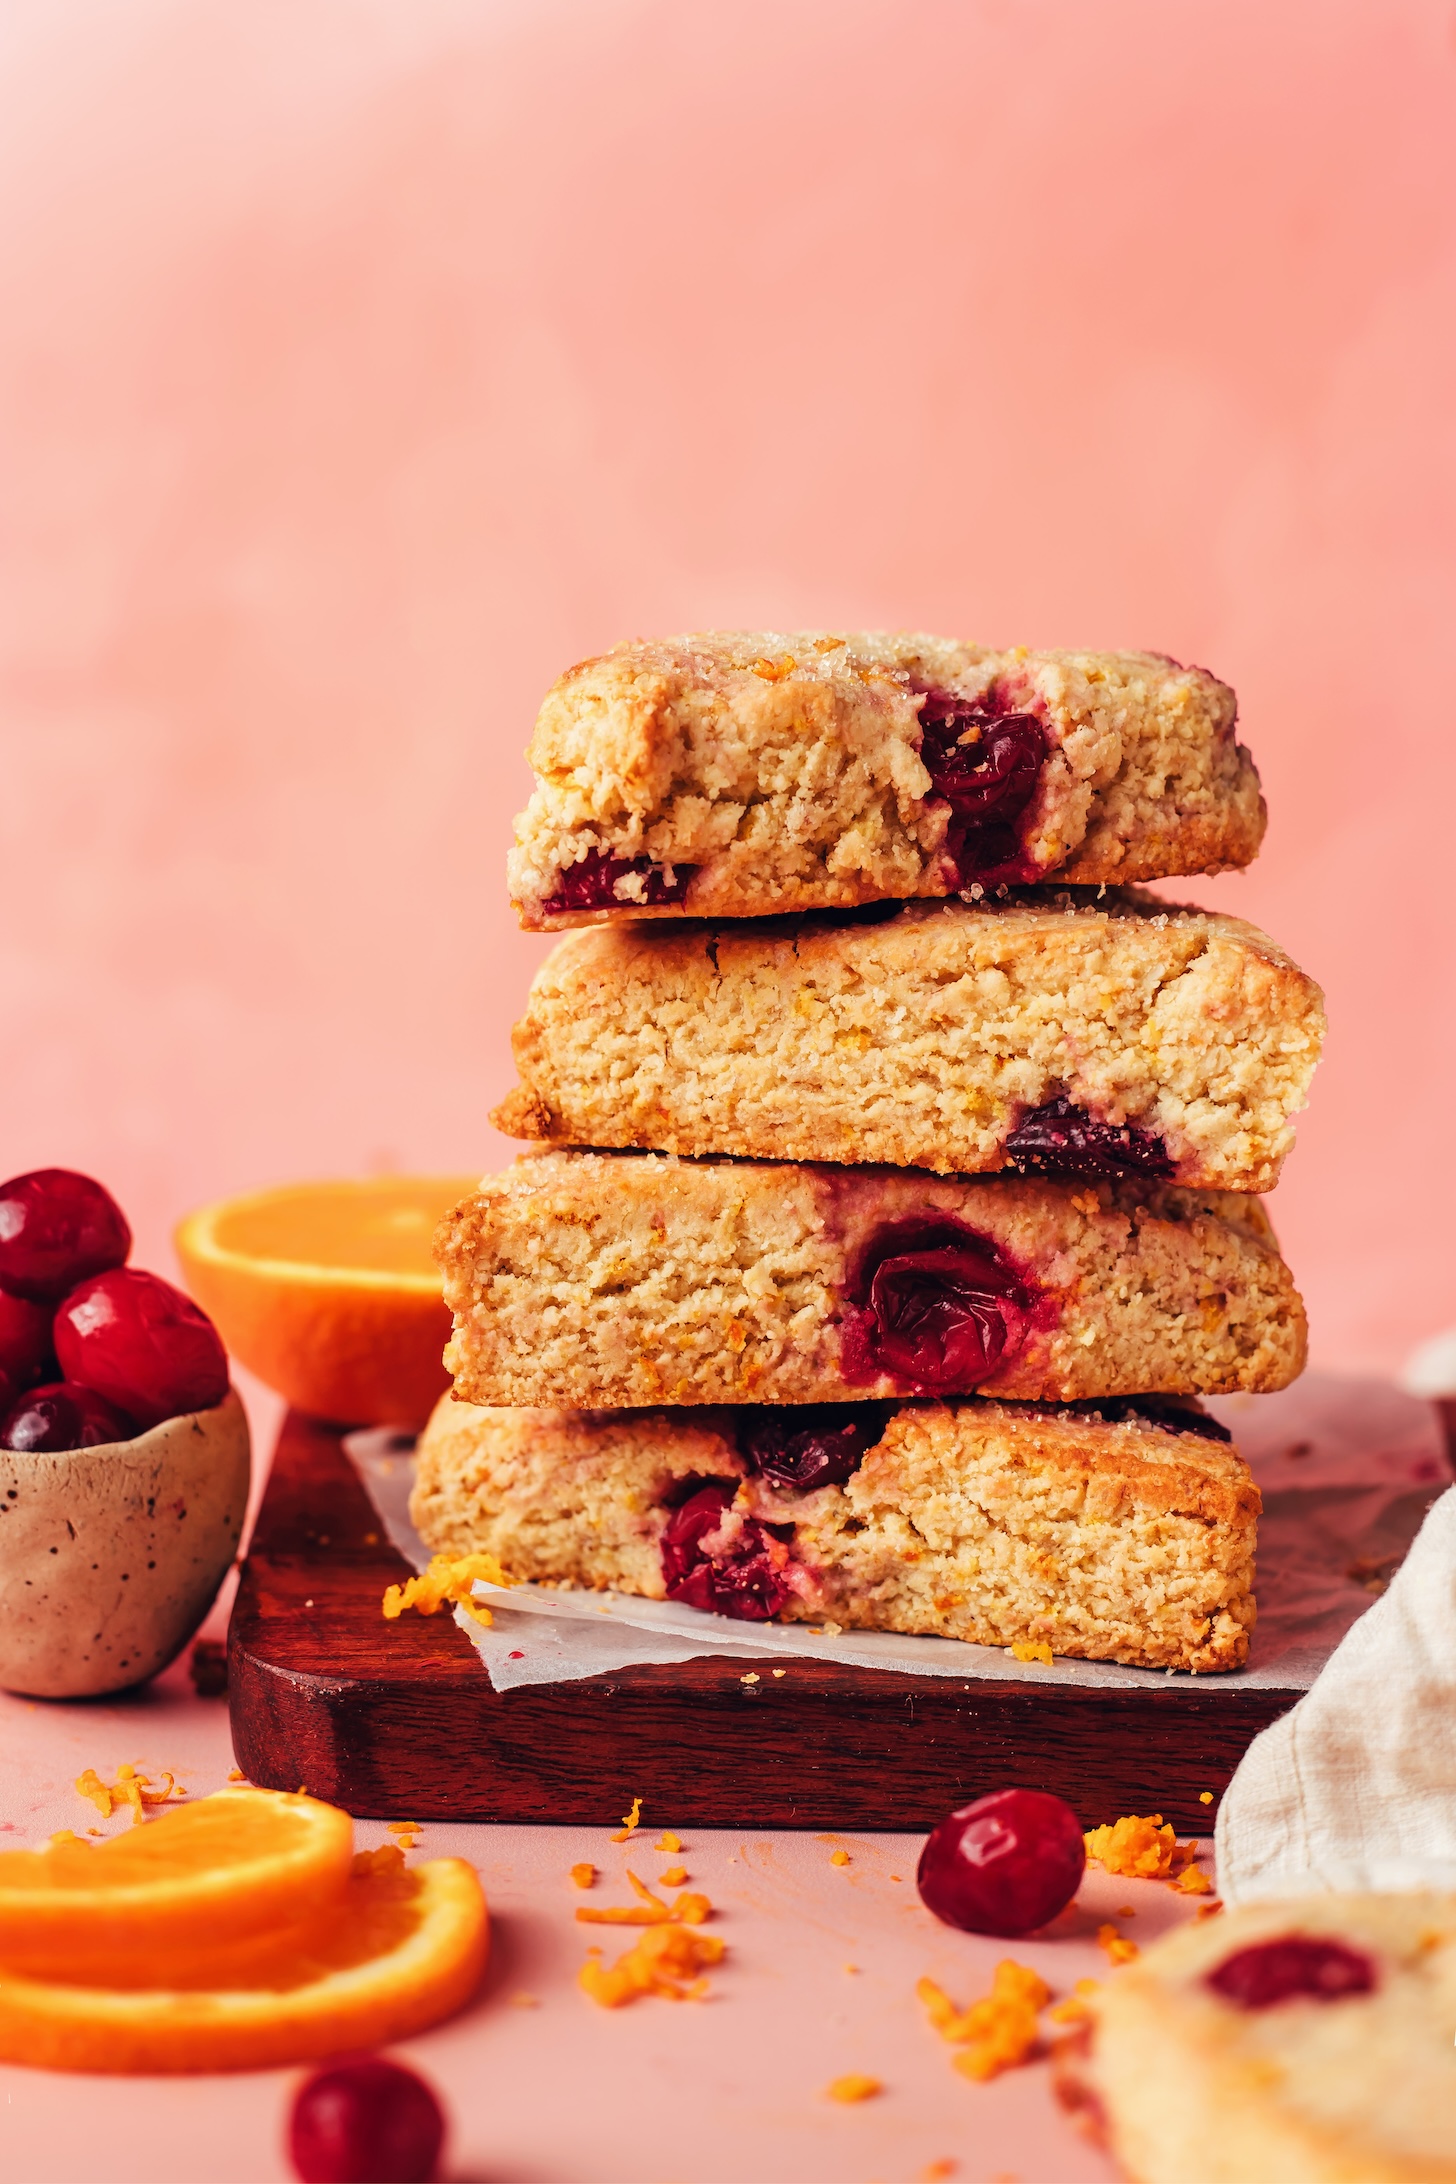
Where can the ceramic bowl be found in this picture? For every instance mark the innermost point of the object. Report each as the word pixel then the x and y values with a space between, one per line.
pixel 110 1557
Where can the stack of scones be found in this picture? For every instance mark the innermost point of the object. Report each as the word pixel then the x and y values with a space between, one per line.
pixel 896 1185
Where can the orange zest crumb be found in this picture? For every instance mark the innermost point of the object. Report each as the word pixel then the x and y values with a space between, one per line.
pixel 1209 1910
pixel 1126 1911
pixel 525 2002
pixel 854 2086
pixel 130 1788
pixel 1192 1881
pixel 1205 1797
pixel 935 2172
pixel 235 1774
pixel 774 670
pixel 667 1961
pixel 447 1578
pixel 629 1821
pixel 1074 2010
pixel 674 1876
pixel 851 1967
pixel 649 1910
pixel 583 1875
pixel 1140 1849
pixel 1117 1946
pixel 1031 1649
pixel 997 2032
pixel 667 1842
pixel 839 1857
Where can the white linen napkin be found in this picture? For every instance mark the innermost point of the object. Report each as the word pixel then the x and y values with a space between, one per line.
pixel 1355 1787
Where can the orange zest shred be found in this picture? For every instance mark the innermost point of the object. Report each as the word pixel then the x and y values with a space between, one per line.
pixel 668 1961
pixel 131 1787
pixel 629 1821
pixel 997 2032
pixel 839 1857
pixel 1209 1910
pixel 1117 1946
pixel 774 670
pixel 1141 1848
pixel 1192 1881
pixel 673 1877
pixel 449 1578
pixel 1074 2010
pixel 854 2086
pixel 649 1910
pixel 668 1842
pixel 583 1875
pixel 1032 1649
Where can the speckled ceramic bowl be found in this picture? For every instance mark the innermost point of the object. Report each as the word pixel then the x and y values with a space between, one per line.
pixel 110 1557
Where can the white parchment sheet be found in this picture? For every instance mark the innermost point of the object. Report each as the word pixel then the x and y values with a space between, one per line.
pixel 1348 1469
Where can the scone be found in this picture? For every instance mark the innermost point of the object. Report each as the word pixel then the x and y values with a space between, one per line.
pixel 735 774
pixel 1127 1536
pixel 1072 1034
pixel 594 1279
pixel 1307 2042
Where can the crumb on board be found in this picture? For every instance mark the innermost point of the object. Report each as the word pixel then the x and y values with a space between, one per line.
pixel 668 1960
pixel 629 1821
pixel 778 1672
pixel 688 1909
pixel 1205 1797
pixel 131 1787
pixel 584 1874
pixel 668 1842
pixel 997 2032
pixel 853 2086
pixel 451 1578
pixel 1119 1950
pixel 752 1677
pixel 839 1857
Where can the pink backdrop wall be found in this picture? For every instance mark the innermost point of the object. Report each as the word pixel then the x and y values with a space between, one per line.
pixel 364 364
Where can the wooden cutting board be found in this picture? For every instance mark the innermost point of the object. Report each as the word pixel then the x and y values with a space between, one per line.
pixel 400 1721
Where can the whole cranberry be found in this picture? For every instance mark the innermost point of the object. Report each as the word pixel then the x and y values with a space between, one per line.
pixel 63 1415
pixel 25 1340
pixel 142 1344
pixel 365 2120
pixel 56 1227
pixel 1005 1864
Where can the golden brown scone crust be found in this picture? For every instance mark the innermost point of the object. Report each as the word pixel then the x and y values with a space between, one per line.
pixel 1188 2089
pixel 590 1279
pixel 973 1520
pixel 784 769
pixel 923 1041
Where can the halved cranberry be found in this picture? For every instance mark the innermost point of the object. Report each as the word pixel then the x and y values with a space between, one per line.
pixel 741 1576
pixel 25 1340
pixel 1005 1864
pixel 56 1227
pixel 63 1415
pixel 939 1307
pixel 1295 1967
pixel 1061 1139
pixel 365 2120
pixel 986 763
pixel 142 1344
pixel 591 883
pixel 811 1444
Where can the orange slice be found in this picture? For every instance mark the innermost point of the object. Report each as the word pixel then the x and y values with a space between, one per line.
pixel 196 1879
pixel 399 1950
pixel 328 1292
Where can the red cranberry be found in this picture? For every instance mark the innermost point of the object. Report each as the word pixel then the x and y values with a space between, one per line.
pixel 940 1308
pixel 1164 1411
pixel 743 1578
pixel 141 1344
pixel 988 782
pixel 1005 1864
pixel 63 1415
pixel 25 1340
pixel 56 1227
pixel 365 2120
pixel 811 1444
pixel 1060 1139
pixel 1296 1967
pixel 591 883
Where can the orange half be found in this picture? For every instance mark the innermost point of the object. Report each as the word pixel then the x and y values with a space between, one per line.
pixel 329 1293
pixel 197 1878
pixel 399 1950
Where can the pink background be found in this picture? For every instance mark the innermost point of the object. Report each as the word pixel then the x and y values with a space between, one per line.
pixel 365 362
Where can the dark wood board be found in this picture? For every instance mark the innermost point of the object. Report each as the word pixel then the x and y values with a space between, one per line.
pixel 400 1721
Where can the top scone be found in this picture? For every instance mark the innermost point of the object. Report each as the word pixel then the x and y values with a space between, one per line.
pixel 736 774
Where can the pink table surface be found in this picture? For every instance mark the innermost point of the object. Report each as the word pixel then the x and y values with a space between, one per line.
pixel 558 2091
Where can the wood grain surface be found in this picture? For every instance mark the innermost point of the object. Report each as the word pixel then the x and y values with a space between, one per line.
pixel 400 1721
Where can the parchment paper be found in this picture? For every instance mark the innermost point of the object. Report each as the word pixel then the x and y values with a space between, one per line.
pixel 1348 1469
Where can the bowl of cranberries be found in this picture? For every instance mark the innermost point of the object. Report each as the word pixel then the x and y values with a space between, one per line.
pixel 123 1449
